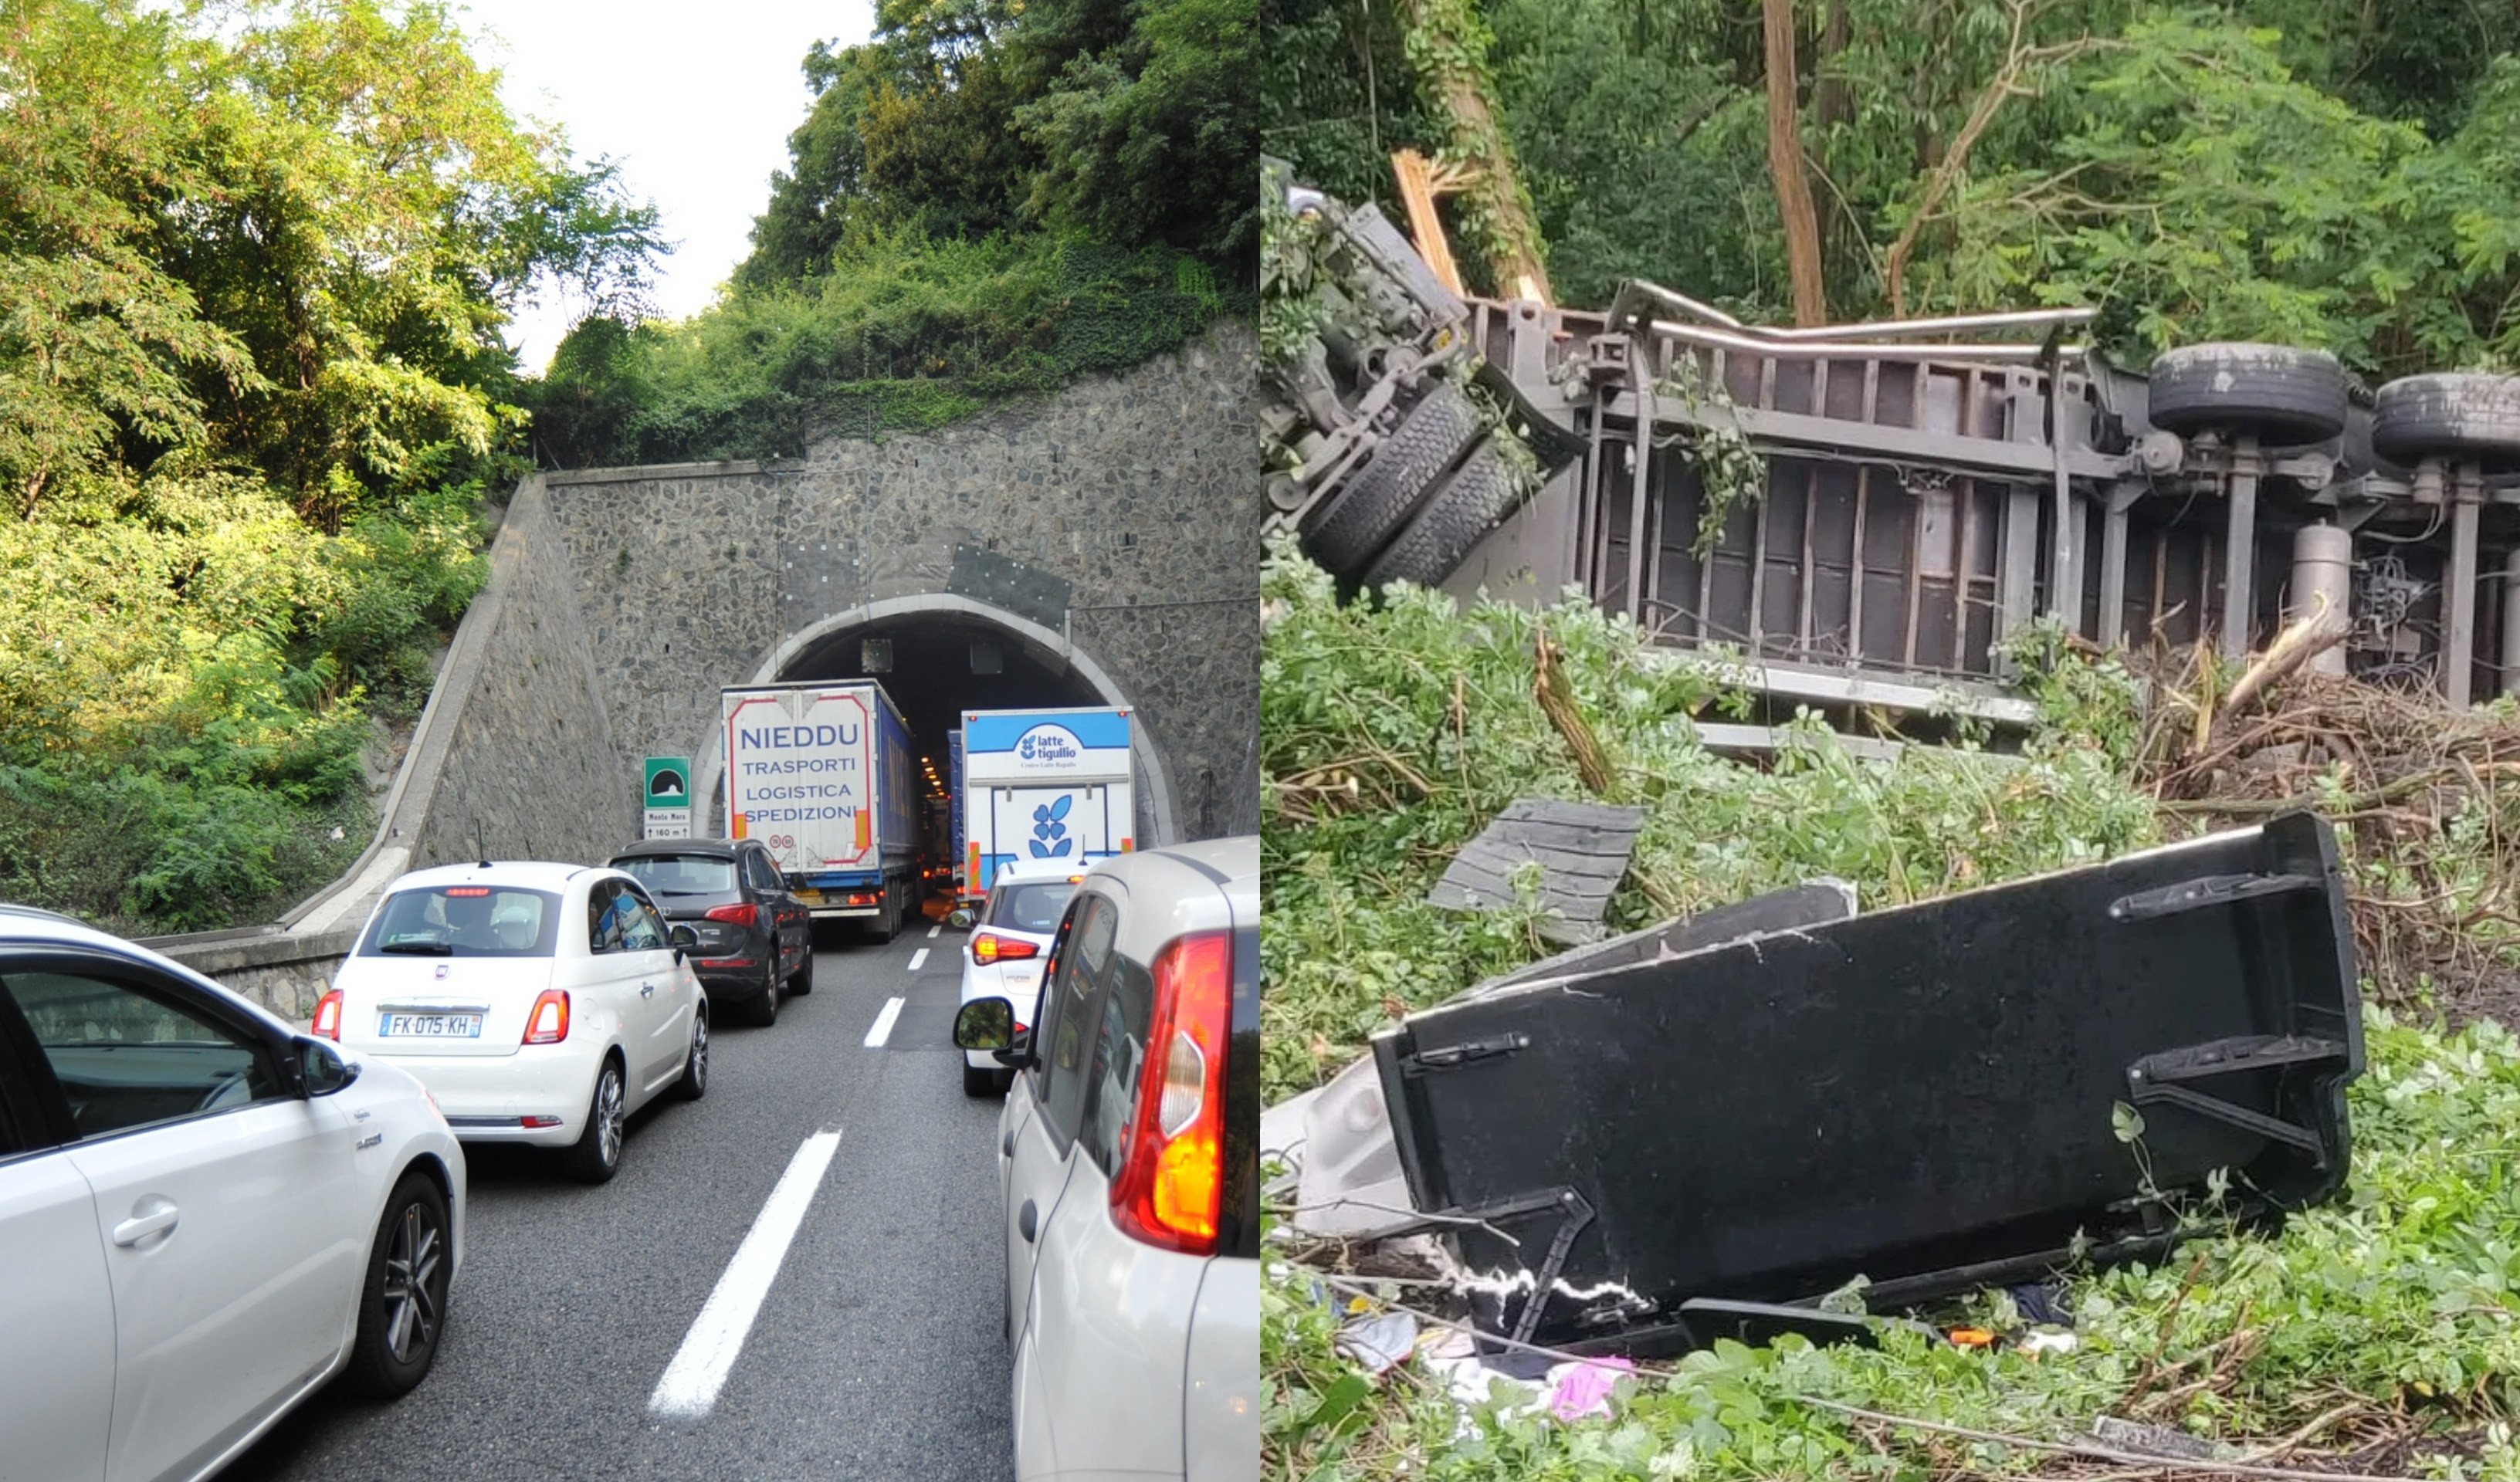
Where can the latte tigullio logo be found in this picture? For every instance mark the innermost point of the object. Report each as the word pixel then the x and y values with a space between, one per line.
pixel 1050 839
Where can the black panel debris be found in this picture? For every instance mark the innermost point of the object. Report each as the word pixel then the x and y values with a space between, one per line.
pixel 1935 1099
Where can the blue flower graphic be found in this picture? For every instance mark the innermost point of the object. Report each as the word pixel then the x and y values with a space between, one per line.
pixel 1047 824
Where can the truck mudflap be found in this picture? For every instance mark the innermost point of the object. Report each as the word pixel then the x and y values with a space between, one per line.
pixel 1963 1092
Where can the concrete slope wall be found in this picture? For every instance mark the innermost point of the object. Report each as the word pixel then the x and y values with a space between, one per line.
pixel 530 760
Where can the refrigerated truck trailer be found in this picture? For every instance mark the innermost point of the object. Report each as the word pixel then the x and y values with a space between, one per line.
pixel 824 775
pixel 1043 784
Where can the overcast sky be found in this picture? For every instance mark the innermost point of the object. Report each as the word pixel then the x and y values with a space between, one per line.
pixel 696 100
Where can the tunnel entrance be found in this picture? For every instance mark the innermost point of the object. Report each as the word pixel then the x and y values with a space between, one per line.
pixel 940 654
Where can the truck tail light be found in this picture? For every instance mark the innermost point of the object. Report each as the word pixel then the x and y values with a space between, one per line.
pixel 988 947
pixel 742 916
pixel 548 1025
pixel 328 1016
pixel 1172 1182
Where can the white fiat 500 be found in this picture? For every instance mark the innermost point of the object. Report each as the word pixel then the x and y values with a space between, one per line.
pixel 540 1004
pixel 1003 958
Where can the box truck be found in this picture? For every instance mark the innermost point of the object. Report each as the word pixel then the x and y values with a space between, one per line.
pixel 824 775
pixel 1043 784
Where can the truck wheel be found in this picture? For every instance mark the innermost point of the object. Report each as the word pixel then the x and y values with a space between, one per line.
pixel 1468 506
pixel 2283 394
pixel 1360 519
pixel 2455 417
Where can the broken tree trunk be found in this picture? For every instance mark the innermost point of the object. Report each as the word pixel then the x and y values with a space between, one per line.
pixel 1785 163
pixel 1447 46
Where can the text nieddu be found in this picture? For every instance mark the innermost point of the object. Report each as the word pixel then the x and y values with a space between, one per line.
pixel 799 738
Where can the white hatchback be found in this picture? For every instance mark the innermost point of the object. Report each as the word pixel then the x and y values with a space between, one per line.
pixel 542 1003
pixel 1009 939
pixel 1128 1162
pixel 205 1216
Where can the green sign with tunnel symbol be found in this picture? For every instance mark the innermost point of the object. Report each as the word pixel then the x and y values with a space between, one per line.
pixel 669 798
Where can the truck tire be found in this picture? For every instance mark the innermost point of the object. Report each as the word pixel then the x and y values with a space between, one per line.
pixel 2458 417
pixel 1360 518
pixel 1468 504
pixel 2283 394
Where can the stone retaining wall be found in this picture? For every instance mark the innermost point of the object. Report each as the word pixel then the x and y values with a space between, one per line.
pixel 283 972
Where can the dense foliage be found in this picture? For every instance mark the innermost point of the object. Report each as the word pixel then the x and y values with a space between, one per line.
pixel 904 333
pixel 987 200
pixel 2319 171
pixel 253 269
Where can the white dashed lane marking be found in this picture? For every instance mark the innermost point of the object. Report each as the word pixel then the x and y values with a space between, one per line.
pixel 932 930
pixel 916 959
pixel 692 1381
pixel 882 1029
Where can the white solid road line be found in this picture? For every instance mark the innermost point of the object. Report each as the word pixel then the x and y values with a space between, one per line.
pixel 882 1029
pixel 932 930
pixel 917 957
pixel 700 1366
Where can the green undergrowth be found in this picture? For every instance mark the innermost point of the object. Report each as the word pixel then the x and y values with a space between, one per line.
pixel 904 334
pixel 188 674
pixel 2398 1304
pixel 1394 729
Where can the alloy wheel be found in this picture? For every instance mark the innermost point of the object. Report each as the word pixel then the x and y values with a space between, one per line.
pixel 608 1114
pixel 411 1295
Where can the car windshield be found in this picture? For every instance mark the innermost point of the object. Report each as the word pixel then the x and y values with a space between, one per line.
pixel 681 874
pixel 465 921
pixel 1032 906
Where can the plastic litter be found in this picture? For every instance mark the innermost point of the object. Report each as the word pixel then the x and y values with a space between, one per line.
pixel 1582 1390
pixel 1381 1342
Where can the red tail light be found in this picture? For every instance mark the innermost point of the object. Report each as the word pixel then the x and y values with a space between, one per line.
pixel 328 1016
pixel 548 1025
pixel 1173 1179
pixel 742 916
pixel 988 947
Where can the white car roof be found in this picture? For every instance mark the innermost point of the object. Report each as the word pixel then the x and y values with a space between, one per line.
pixel 33 923
pixel 1037 870
pixel 526 875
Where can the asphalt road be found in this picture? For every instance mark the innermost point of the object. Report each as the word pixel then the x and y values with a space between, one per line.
pixel 878 1351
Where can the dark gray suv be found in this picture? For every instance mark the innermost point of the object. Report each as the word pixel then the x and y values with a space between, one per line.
pixel 756 938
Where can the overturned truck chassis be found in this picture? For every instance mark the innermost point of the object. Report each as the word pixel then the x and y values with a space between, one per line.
pixel 1926 501
pixel 1648 1154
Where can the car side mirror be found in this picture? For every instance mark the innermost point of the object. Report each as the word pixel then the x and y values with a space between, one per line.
pixel 321 1070
pixel 684 936
pixel 961 920
pixel 985 1024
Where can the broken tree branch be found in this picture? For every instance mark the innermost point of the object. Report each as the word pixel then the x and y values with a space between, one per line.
pixel 1557 698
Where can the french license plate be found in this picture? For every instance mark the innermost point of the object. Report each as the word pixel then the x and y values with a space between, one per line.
pixel 430 1027
pixel 809 897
